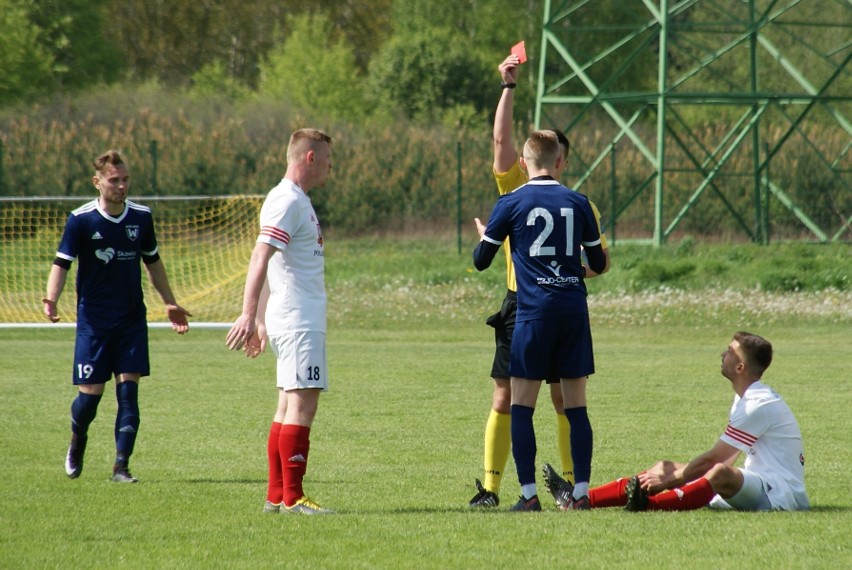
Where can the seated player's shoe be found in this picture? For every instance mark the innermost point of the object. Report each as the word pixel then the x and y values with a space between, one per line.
pixel 305 506
pixel 558 487
pixel 527 505
pixel 637 497
pixel 122 475
pixel 270 507
pixel 74 458
pixel 484 499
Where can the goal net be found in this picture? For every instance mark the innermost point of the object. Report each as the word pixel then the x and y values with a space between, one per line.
pixel 205 243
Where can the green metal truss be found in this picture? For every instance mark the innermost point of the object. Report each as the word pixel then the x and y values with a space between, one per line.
pixel 766 63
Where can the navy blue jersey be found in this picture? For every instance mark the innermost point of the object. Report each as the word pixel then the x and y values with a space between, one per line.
pixel 109 252
pixel 546 223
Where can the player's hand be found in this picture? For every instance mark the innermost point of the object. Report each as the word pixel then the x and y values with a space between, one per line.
pixel 241 331
pixel 658 477
pixel 480 227
pixel 255 345
pixel 509 69
pixel 177 316
pixel 50 310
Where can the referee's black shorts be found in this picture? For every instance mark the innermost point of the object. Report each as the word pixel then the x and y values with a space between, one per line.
pixel 504 325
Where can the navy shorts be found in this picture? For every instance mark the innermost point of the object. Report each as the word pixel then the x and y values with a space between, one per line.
pixel 504 326
pixel 559 347
pixel 97 357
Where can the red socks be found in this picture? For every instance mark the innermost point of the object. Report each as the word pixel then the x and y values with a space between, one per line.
pixel 293 446
pixel 275 489
pixel 610 494
pixel 691 496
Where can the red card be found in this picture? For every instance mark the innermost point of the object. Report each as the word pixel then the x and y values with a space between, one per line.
pixel 520 51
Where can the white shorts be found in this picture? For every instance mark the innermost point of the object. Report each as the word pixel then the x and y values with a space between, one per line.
pixel 752 496
pixel 301 361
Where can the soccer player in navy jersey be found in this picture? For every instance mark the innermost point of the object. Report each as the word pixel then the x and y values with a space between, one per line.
pixel 509 175
pixel 109 237
pixel 546 224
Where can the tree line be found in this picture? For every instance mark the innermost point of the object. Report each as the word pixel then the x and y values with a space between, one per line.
pixel 341 58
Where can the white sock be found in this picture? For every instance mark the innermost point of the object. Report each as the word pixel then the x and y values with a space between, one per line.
pixel 528 490
pixel 580 490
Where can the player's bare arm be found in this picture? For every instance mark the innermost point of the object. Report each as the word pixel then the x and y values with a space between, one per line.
pixel 245 325
pixel 55 285
pixel 256 343
pixel 668 474
pixel 159 279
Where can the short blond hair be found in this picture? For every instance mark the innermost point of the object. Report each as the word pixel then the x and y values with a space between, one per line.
pixel 303 140
pixel 542 149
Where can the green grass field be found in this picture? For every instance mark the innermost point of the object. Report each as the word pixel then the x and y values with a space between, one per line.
pixel 398 440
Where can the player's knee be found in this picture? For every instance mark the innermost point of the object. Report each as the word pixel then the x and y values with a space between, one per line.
pixel 725 480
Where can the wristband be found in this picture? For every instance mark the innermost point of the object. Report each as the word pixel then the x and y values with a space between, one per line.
pixel 505 85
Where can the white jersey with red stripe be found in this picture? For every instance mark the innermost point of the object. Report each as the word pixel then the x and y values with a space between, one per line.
pixel 297 300
pixel 762 426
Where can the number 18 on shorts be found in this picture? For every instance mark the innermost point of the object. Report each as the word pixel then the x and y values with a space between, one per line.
pixel 301 360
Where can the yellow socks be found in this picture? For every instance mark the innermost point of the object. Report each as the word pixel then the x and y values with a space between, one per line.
pixel 563 435
pixel 498 445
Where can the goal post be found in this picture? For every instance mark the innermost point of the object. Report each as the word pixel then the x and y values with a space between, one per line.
pixel 205 243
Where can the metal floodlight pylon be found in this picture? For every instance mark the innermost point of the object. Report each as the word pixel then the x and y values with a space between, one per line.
pixel 595 57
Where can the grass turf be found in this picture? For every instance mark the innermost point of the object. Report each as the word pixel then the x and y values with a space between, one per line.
pixel 395 448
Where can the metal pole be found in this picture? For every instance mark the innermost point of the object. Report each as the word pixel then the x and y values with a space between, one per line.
pixel 661 122
pixel 459 195
pixel 613 204
pixel 766 199
pixel 153 150
pixel 759 237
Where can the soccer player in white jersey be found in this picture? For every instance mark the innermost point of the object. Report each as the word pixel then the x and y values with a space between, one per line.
pixel 546 224
pixel 108 237
pixel 760 425
pixel 284 305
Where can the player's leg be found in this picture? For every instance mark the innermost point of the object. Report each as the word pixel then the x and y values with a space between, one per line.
pixel 612 494
pixel 498 438
pixel 131 363
pixel 91 371
pixel 275 485
pixel 582 437
pixel 563 431
pixel 126 425
pixel 576 364
pixel 498 444
pixel 530 362
pixel 738 489
pixel 294 441
pixel 524 448
pixel 302 376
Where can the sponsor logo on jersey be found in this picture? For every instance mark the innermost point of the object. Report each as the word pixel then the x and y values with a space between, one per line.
pixel 97 235
pixel 105 255
pixel 557 279
pixel 132 232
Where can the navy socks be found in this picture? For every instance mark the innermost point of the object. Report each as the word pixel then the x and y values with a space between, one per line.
pixel 127 418
pixel 581 443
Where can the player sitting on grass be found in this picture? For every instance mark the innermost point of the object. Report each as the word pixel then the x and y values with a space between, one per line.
pixel 761 425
